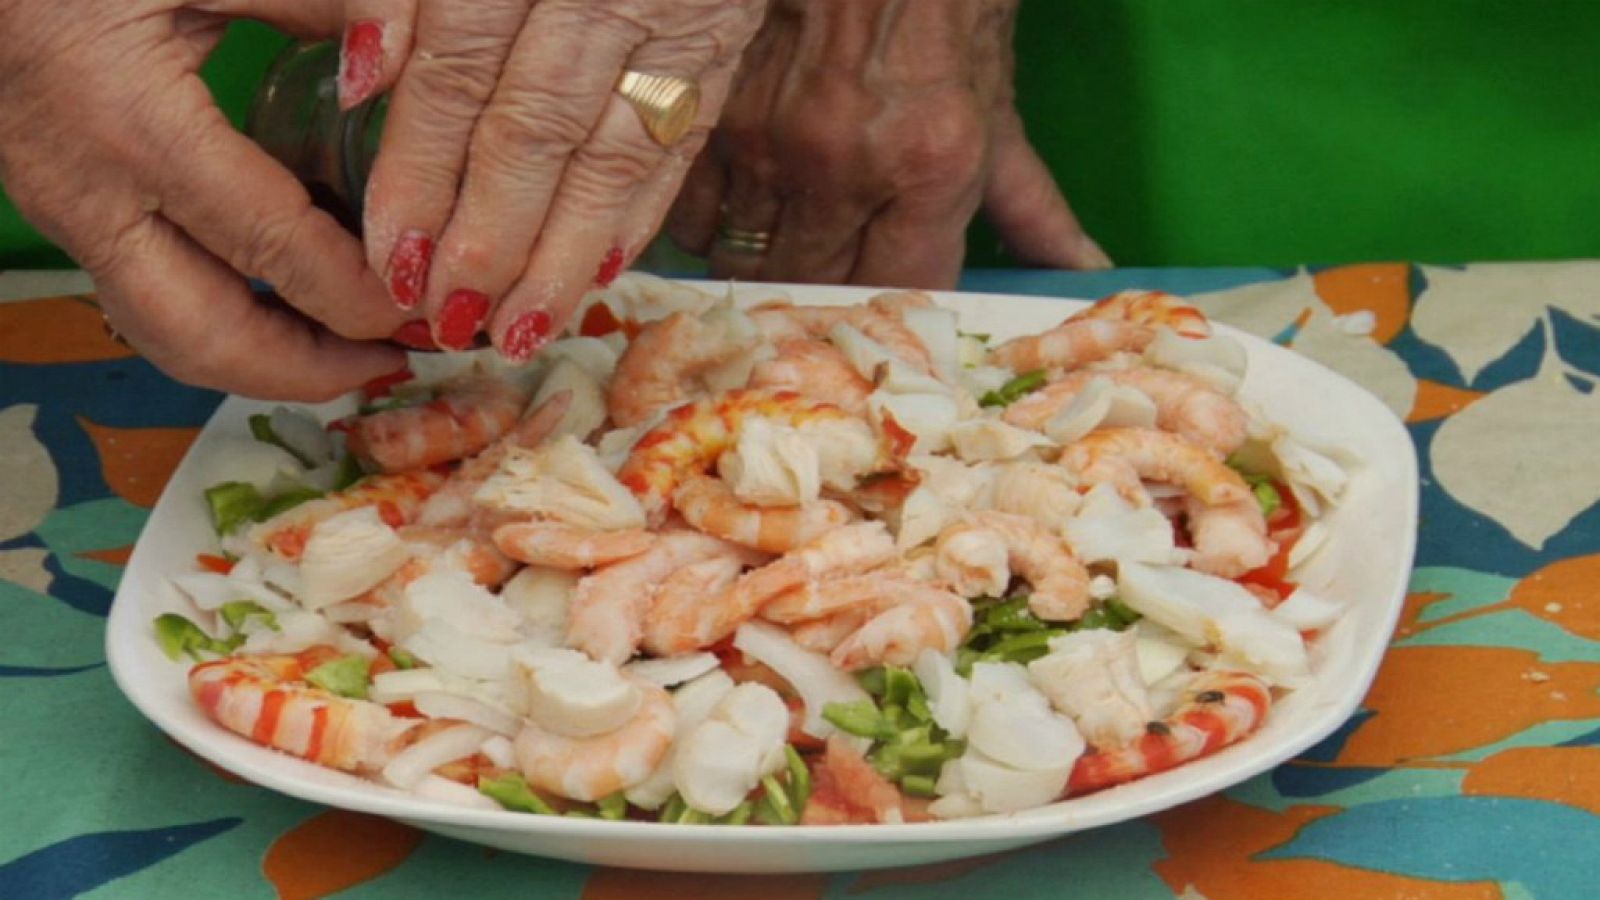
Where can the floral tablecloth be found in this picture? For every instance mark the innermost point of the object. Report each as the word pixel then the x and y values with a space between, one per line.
pixel 1472 771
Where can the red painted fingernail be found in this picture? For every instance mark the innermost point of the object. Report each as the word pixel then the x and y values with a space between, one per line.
pixel 528 333
pixel 360 62
pixel 415 334
pixel 610 267
pixel 462 316
pixel 408 268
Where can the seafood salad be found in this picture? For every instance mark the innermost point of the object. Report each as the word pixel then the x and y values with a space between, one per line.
pixel 770 564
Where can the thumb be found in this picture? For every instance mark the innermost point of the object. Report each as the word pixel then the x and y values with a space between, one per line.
pixel 1029 211
pixel 308 19
pixel 375 36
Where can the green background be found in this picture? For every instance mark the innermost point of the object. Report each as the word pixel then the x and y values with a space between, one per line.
pixel 1272 132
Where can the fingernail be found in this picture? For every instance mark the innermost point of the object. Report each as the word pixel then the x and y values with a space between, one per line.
pixel 462 316
pixel 360 62
pixel 415 334
pixel 408 268
pixel 1097 258
pixel 528 333
pixel 610 267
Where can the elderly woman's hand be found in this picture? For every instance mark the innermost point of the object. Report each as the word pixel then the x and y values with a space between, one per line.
pixel 111 144
pixel 511 176
pixel 861 138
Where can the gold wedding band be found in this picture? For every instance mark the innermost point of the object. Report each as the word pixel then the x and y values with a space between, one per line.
pixel 666 104
pixel 740 240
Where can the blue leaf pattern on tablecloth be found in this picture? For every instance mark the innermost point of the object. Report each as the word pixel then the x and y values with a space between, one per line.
pixel 73 866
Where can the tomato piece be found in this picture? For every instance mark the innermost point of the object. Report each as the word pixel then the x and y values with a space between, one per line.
pixel 1274 575
pixel 1288 515
pixel 214 563
pixel 599 321
pixel 383 385
pixel 381 664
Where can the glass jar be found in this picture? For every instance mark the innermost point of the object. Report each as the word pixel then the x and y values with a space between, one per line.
pixel 296 118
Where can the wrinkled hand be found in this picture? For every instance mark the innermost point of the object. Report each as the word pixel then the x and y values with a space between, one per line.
pixel 863 135
pixel 511 177
pixel 111 144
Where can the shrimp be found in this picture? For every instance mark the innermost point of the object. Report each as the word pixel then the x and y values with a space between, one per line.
pixel 1184 404
pixel 688 611
pixel 432 547
pixel 817 369
pixel 399 498
pixel 562 546
pixel 1229 538
pixel 821 615
pixel 465 417
pixel 1151 308
pixel 824 634
pixel 1123 456
pixel 1033 552
pixel 924 617
pixel 1219 708
pixel 695 434
pixel 1073 343
pixel 710 505
pixel 895 303
pixel 815 600
pixel 684 621
pixel 588 768
pixel 847 790
pixel 609 604
pixel 658 368
pixel 466 549
pixel 452 504
pixel 266 698
pixel 880 319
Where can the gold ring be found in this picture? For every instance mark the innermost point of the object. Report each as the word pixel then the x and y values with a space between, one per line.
pixel 740 240
pixel 666 104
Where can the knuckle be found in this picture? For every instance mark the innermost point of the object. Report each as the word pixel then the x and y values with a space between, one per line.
pixel 529 134
pixel 612 19
pixel 822 140
pixel 618 162
pixel 451 87
pixel 944 145
pixel 268 252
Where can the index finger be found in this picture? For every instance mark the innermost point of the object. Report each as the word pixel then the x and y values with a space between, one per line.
pixel 198 322
pixel 245 208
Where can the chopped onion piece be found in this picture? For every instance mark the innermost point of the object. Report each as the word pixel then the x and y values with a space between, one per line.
pixel 412 764
pixel 673 670
pixel 435 787
pixel 500 751
pixel 948 697
pixel 210 590
pixel 810 674
pixel 444 705
pixel 936 328
pixel 400 685
pixel 302 434
pixel 1310 541
pixel 1304 610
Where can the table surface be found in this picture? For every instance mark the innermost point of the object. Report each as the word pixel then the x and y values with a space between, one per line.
pixel 1472 770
